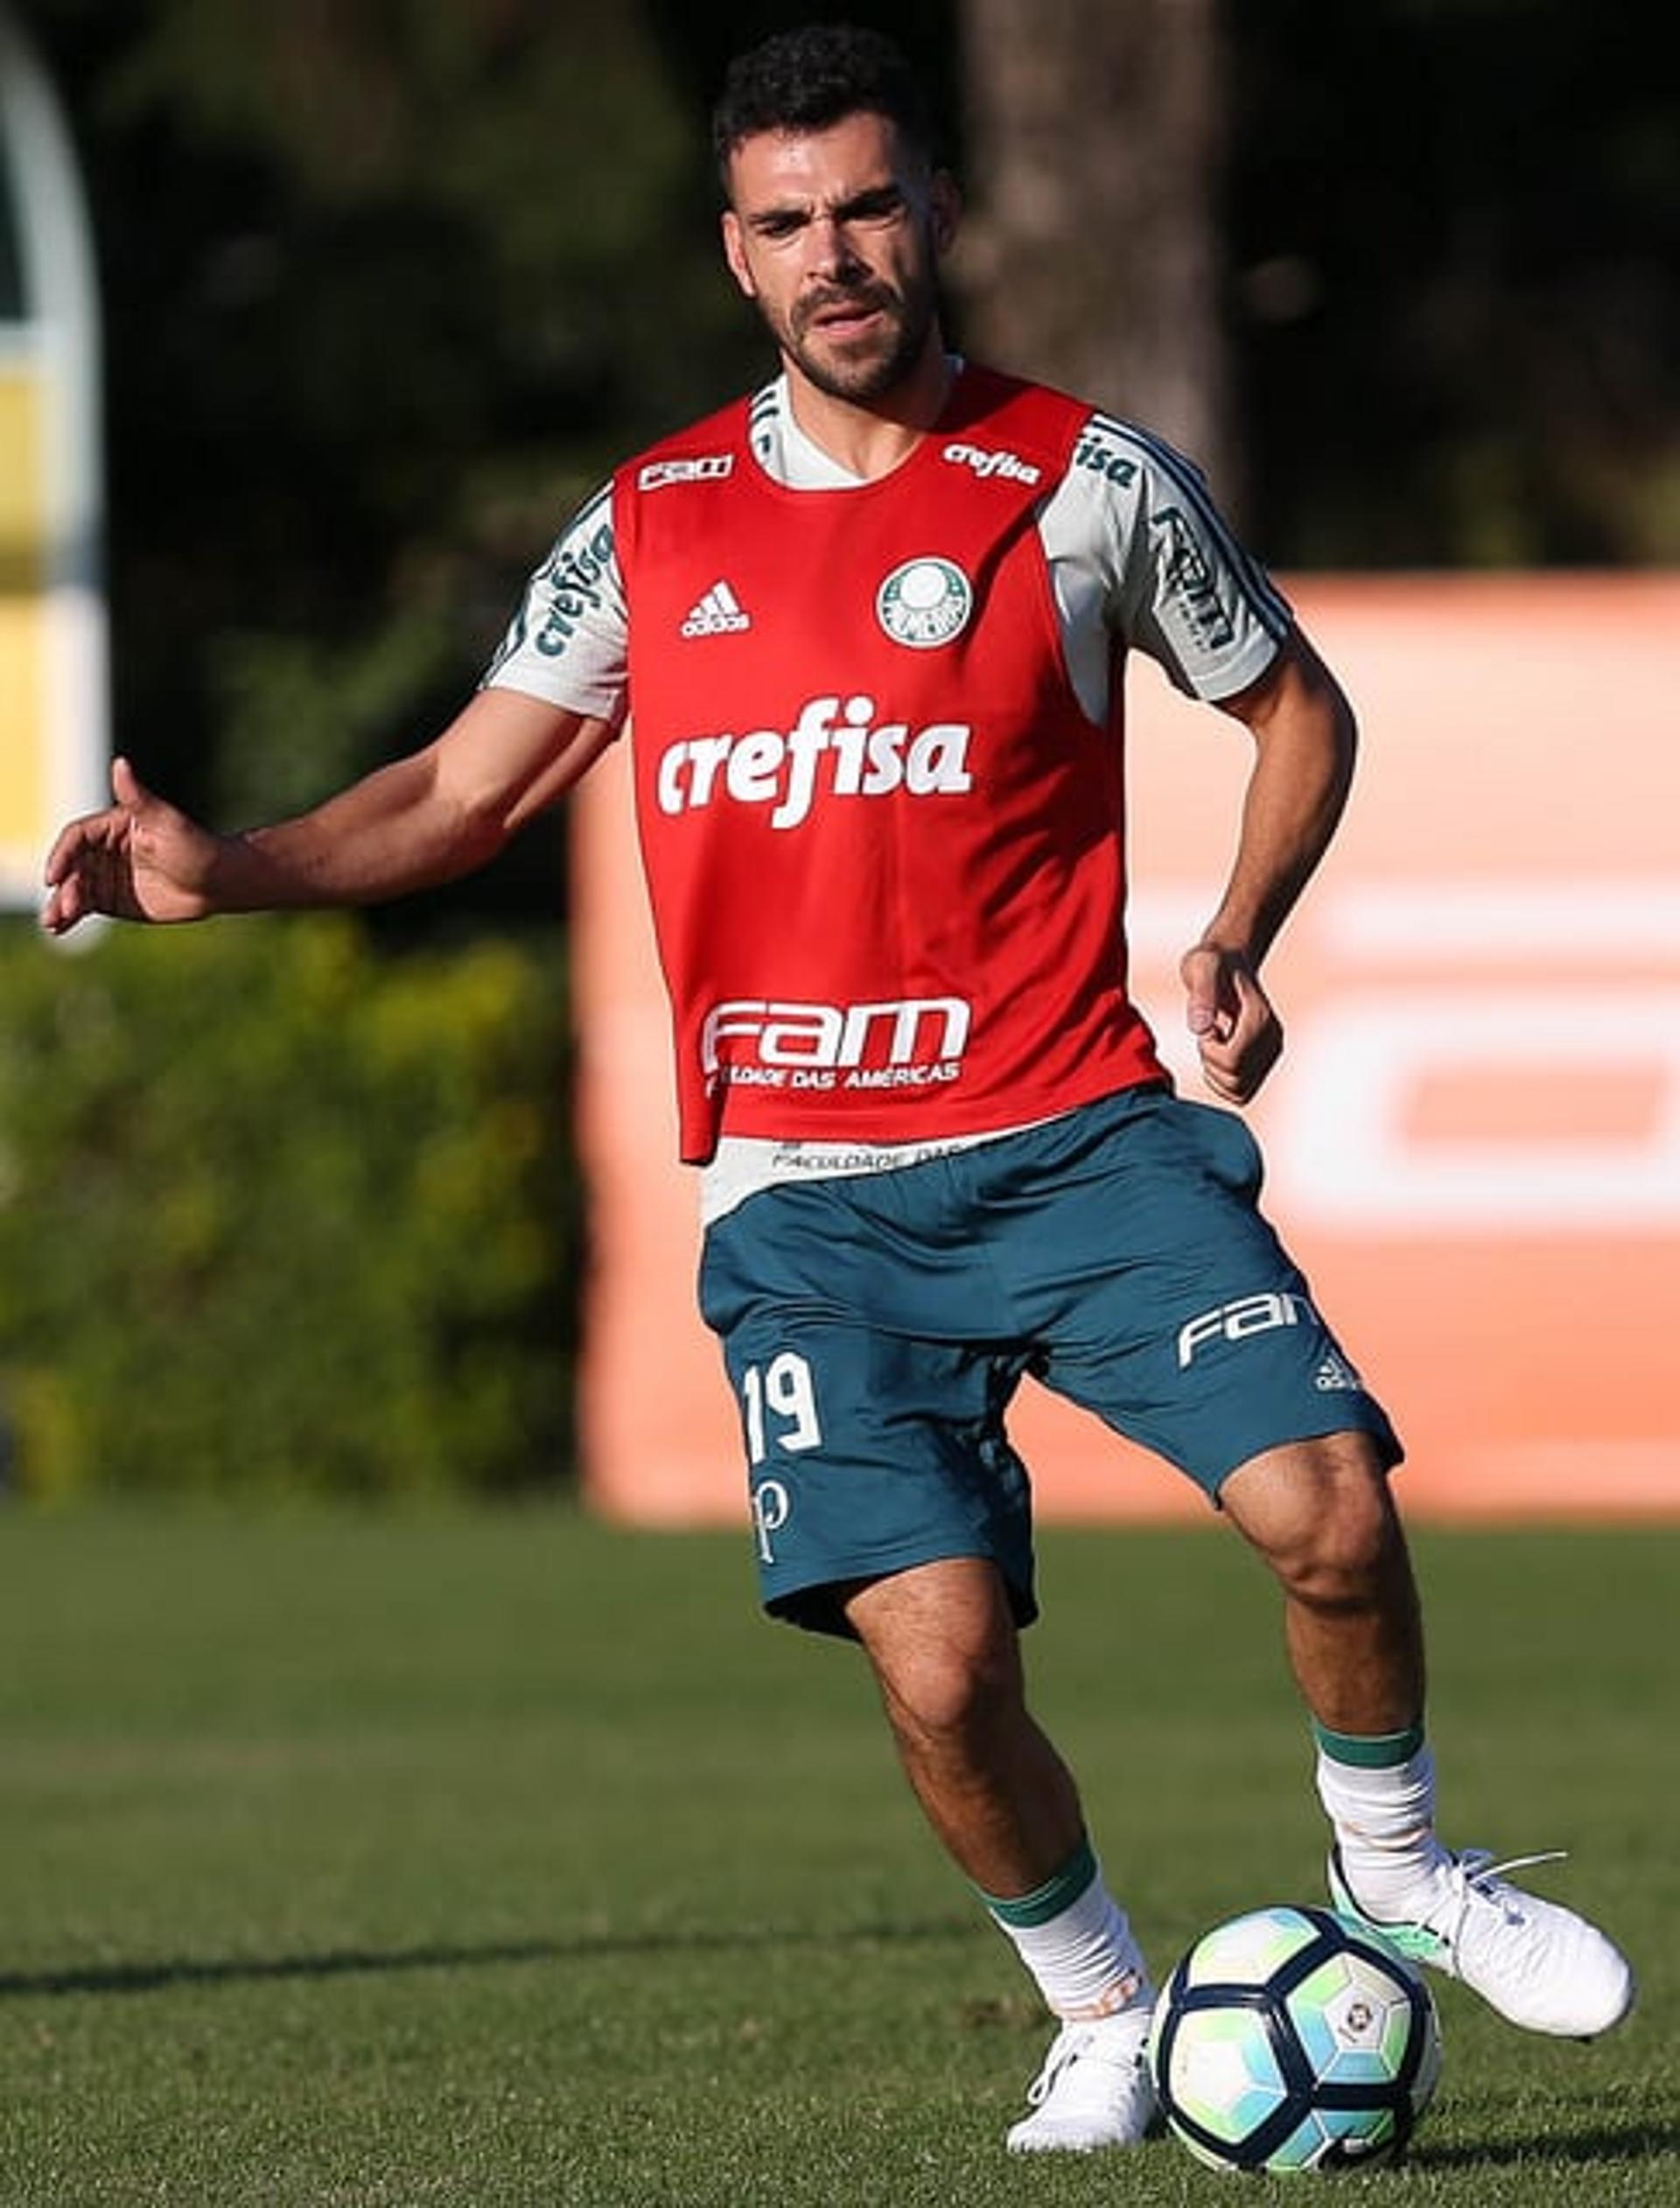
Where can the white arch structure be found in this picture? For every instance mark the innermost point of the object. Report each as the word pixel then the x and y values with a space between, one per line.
pixel 54 678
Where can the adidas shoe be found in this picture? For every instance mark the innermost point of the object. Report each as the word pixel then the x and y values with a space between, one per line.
pixel 1094 2091
pixel 1539 1964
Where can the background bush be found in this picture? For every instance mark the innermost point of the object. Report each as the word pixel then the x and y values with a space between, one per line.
pixel 278 1211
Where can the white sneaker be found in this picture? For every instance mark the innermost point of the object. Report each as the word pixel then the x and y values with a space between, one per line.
pixel 1094 2091
pixel 1539 1964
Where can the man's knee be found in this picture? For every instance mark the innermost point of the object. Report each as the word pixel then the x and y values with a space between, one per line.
pixel 954 1699
pixel 1350 1556
pixel 945 1649
pixel 1321 1515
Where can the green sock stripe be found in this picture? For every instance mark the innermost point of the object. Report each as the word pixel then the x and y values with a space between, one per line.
pixel 1049 1900
pixel 1369 1751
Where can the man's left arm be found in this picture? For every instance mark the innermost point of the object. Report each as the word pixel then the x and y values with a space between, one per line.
pixel 1305 740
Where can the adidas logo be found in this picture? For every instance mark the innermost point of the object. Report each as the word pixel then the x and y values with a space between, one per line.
pixel 718 613
pixel 1335 1372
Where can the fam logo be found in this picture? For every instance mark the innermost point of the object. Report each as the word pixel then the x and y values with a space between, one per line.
pixel 898 1042
pixel 1251 1315
pixel 925 603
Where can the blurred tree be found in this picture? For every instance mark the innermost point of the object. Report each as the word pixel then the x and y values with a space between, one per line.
pixel 1092 258
pixel 1454 229
pixel 389 284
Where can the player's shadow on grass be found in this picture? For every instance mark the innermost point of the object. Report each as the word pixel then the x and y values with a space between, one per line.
pixel 168 1972
pixel 1594 2145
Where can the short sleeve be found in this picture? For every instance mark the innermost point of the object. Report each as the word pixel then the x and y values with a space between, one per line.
pixel 1169 574
pixel 568 640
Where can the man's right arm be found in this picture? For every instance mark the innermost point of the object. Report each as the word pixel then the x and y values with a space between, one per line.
pixel 437 814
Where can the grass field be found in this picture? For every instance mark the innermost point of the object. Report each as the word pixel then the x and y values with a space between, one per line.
pixel 483 1861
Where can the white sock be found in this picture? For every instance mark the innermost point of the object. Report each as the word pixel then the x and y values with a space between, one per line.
pixel 1384 1821
pixel 1075 1939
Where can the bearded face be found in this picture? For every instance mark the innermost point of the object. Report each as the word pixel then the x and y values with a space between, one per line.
pixel 835 235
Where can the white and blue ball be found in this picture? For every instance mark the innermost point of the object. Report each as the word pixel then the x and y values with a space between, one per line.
pixel 1291 2038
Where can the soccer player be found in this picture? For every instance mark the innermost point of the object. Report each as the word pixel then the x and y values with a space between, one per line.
pixel 870 627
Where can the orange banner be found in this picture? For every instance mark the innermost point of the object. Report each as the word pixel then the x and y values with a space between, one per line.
pixel 1474 1139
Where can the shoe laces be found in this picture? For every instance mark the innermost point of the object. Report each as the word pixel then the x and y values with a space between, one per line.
pixel 1474 1876
pixel 1070 2044
pixel 1067 2046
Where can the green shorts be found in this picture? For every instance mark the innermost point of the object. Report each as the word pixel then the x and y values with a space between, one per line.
pixel 875 1329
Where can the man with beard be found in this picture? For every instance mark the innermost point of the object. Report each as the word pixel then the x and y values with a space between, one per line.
pixel 871 627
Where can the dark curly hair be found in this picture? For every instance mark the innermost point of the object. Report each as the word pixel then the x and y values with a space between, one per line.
pixel 808 79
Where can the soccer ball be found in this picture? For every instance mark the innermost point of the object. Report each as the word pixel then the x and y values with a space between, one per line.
pixel 1293 2039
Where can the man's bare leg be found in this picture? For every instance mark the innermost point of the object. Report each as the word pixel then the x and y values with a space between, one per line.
pixel 1320 1514
pixel 947 1656
pixel 948 1660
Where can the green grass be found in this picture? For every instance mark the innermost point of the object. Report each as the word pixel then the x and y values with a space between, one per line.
pixel 483 1861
